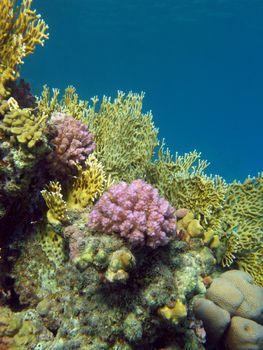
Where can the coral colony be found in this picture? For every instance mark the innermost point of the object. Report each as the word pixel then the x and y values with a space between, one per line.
pixel 104 245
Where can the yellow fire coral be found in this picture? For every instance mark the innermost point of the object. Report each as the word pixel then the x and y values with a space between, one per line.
pixel 20 30
pixel 243 225
pixel 125 137
pixel 88 185
pixel 22 125
pixel 69 104
pixel 182 181
pixel 55 203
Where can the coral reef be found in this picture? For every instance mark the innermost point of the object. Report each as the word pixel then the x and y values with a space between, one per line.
pixel 136 212
pixel 109 247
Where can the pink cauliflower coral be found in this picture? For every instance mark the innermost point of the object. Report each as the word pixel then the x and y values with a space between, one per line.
pixel 72 144
pixel 136 212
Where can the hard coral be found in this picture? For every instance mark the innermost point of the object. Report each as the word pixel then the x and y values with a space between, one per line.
pixel 20 30
pixel 136 212
pixel 72 144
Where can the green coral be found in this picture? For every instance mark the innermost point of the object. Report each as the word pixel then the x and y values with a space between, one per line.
pixel 243 225
pixel 183 182
pixel 69 104
pixel 125 137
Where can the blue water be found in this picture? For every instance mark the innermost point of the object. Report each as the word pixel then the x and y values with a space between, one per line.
pixel 199 63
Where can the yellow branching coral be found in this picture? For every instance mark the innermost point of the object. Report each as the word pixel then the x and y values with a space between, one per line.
pixel 70 103
pixel 56 213
pixel 243 224
pixel 22 125
pixel 20 30
pixel 88 185
pixel 125 137
pixel 183 182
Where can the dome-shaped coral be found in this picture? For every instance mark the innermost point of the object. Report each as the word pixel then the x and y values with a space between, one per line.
pixel 136 212
pixel 72 144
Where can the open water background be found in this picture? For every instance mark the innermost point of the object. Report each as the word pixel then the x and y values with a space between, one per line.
pixel 198 61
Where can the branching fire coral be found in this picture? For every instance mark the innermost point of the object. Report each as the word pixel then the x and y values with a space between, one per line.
pixel 243 225
pixel 20 30
pixel 183 182
pixel 88 185
pixel 125 137
pixel 70 103
pixel 56 205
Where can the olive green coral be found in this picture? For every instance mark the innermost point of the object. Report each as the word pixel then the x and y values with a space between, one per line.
pixel 69 104
pixel 183 182
pixel 125 137
pixel 243 225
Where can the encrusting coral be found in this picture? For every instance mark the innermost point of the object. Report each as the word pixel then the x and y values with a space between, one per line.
pixel 73 143
pixel 20 30
pixel 136 212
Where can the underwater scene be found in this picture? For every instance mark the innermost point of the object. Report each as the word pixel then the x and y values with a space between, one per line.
pixel 131 175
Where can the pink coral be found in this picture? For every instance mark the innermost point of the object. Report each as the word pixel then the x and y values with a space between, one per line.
pixel 136 212
pixel 72 144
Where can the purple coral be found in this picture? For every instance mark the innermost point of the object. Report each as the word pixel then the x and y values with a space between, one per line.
pixel 72 144
pixel 136 212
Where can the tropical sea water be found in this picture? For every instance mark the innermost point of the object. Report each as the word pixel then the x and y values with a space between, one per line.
pixel 199 63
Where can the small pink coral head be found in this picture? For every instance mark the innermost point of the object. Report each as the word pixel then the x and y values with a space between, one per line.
pixel 136 212
pixel 72 144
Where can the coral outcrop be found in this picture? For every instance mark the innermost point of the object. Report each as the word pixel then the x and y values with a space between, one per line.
pixel 233 311
pixel 136 212
pixel 73 143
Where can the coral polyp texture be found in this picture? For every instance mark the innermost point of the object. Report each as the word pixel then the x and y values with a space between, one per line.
pixel 72 144
pixel 136 212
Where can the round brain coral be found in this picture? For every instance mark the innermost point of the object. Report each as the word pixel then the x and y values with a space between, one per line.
pixel 136 212
pixel 72 144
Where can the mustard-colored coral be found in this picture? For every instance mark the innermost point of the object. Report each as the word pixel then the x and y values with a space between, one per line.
pixel 56 213
pixel 22 126
pixel 88 185
pixel 20 30
pixel 69 104
pixel 125 137
pixel 243 225
pixel 183 182
pixel 174 313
